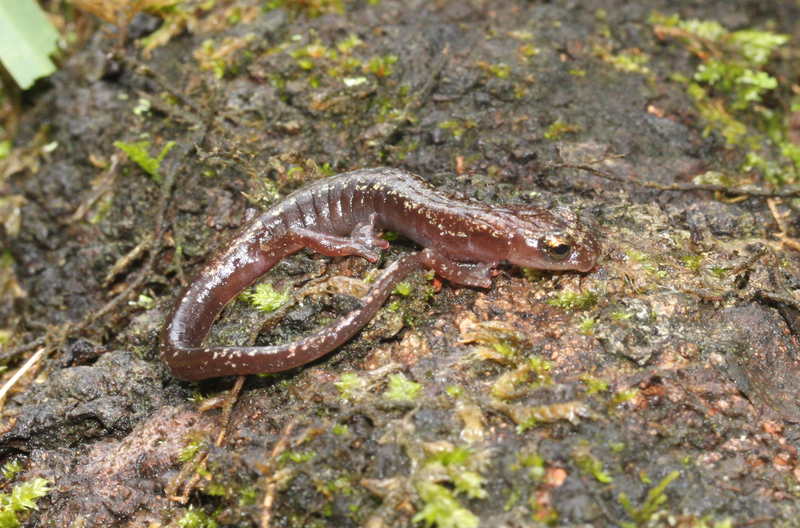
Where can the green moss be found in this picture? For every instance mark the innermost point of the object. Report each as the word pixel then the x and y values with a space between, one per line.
pixel 720 120
pixel 307 63
pixel 298 457
pixel 719 271
pixel 404 289
pixel 624 395
pixel 693 262
pixel 631 60
pixel 470 483
pixel 190 451
pixel 593 384
pixel 586 325
pixel 453 457
pixel 592 465
pixel 504 347
pixel 539 367
pixel 348 44
pixel 193 518
pixel 535 274
pixel 620 315
pixel 617 447
pixel 527 417
pixel 528 50
pixel 22 499
pixel 138 153
pixel 454 391
pixel 348 383
pixel 309 8
pixel 326 169
pixel 247 496
pixel 142 107
pixel 773 172
pixel 559 129
pixel 460 466
pixel 381 66
pixel 745 85
pixel 144 302
pixel 197 396
pixel 500 70
pixel 401 388
pixel 265 298
pixel 340 430
pixel 405 148
pixel 573 300
pixel 534 462
pixel 456 126
pixel 647 263
pixel 731 80
pixel 655 499
pixel 441 508
pixel 499 335
pixel 514 497
pixel 11 469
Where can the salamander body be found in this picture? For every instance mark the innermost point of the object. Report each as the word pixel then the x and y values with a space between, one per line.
pixel 462 240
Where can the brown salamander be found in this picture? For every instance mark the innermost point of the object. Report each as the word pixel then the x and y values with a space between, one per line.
pixel 463 241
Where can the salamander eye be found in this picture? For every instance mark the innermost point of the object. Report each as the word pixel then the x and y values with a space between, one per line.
pixel 558 245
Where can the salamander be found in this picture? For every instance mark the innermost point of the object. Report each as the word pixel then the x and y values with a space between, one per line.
pixel 463 242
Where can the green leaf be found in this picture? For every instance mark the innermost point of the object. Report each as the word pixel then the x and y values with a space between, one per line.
pixel 26 40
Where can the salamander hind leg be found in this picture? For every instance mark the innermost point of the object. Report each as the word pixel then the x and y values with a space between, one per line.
pixel 479 274
pixel 335 246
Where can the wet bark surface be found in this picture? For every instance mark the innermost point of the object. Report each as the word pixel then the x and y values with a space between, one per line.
pixel 561 399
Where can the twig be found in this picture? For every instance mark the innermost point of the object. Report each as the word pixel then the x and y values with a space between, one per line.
pixel 143 246
pixel 104 186
pixel 188 469
pixel 27 366
pixel 269 496
pixel 697 41
pixel 180 95
pixel 227 409
pixel 779 298
pixel 781 235
pixel 162 82
pixel 11 354
pixel 144 274
pixel 760 251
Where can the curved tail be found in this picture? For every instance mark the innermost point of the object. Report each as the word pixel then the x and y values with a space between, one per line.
pixel 193 363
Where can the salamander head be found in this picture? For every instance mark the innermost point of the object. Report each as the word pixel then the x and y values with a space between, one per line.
pixel 544 240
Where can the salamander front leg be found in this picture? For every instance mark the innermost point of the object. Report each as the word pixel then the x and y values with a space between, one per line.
pixel 479 274
pixel 364 234
pixel 337 246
